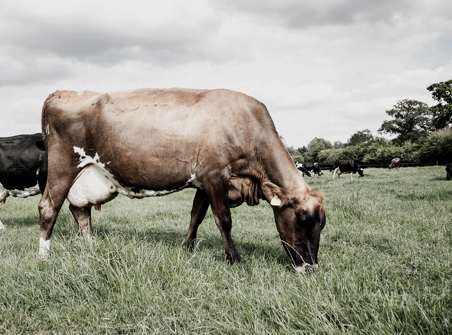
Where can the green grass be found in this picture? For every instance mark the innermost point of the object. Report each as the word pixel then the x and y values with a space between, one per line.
pixel 385 266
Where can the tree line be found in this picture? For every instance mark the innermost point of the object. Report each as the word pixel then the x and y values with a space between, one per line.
pixel 423 136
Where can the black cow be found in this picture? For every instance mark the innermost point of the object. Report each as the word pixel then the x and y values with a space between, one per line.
pixel 314 167
pixel 302 168
pixel 449 171
pixel 346 165
pixel 23 167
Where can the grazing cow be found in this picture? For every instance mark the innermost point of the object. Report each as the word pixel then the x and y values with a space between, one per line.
pixel 23 167
pixel 346 165
pixel 314 167
pixel 151 142
pixel 302 169
pixel 395 163
pixel 449 171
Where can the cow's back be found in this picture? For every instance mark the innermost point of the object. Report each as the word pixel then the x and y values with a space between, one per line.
pixel 150 136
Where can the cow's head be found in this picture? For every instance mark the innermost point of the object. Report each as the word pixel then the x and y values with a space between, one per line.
pixel 299 220
pixel 360 172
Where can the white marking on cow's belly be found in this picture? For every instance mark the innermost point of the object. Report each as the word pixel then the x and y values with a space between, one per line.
pixel 195 181
pixel 44 247
pixel 95 185
pixel 27 192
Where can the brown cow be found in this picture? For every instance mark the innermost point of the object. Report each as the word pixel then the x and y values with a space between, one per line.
pixel 395 163
pixel 150 142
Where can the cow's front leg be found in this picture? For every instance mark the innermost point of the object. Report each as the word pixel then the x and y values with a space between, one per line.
pixel 198 212
pixel 224 223
pixel 217 190
pixel 83 218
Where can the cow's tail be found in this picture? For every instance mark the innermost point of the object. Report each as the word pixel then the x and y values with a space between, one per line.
pixel 44 124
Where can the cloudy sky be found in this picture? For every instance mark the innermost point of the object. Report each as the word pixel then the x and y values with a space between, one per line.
pixel 323 68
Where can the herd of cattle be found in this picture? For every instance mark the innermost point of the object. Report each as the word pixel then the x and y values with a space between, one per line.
pixel 146 142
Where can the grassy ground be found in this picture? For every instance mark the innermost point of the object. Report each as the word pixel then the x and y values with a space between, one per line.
pixel 385 266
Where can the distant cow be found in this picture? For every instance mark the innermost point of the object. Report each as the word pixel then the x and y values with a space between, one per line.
pixel 151 142
pixel 395 163
pixel 449 171
pixel 346 165
pixel 23 167
pixel 314 167
pixel 302 168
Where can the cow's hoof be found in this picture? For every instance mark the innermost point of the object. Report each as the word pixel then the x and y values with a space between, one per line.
pixel 235 259
pixel 189 245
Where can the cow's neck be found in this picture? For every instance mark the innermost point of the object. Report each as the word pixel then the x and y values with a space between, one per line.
pixel 280 169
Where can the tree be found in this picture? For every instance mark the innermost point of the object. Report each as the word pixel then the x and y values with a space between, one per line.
pixel 338 145
pixel 442 112
pixel 411 121
pixel 314 148
pixel 437 147
pixel 361 137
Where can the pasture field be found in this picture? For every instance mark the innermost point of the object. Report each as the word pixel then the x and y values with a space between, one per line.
pixel 384 266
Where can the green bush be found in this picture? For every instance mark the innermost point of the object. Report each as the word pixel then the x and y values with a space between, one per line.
pixel 298 159
pixel 437 148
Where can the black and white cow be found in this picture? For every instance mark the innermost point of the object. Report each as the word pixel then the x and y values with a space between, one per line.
pixel 314 167
pixel 449 171
pixel 23 167
pixel 346 165
pixel 302 168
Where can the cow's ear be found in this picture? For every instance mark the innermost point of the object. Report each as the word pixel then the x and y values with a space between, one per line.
pixel 40 145
pixel 275 195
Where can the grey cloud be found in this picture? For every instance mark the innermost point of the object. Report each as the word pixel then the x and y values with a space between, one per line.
pixel 299 14
pixel 88 41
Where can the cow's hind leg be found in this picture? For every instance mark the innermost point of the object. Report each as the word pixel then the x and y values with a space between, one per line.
pixel 55 193
pixel 49 207
pixel 198 212
pixel 83 217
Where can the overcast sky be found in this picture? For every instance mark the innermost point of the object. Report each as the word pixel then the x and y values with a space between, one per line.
pixel 323 68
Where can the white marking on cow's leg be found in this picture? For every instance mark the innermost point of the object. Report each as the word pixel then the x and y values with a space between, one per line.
pixel 306 268
pixel 2 226
pixel 44 247
pixel 351 175
pixel 335 172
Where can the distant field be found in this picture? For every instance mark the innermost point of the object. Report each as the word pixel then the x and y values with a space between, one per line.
pixel 385 266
